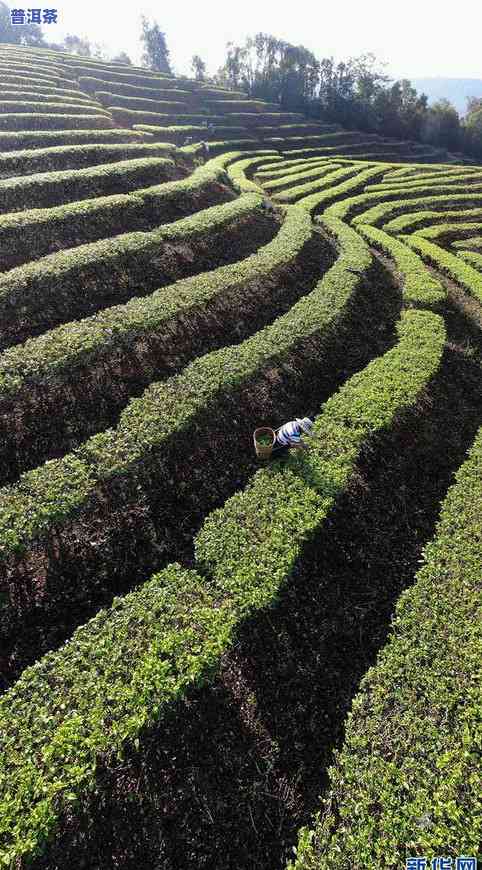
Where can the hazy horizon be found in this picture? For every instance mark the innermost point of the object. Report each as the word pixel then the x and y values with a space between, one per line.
pixel 416 43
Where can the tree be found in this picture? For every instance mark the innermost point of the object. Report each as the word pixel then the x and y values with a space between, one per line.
pixel 198 67
pixel 353 92
pixel 80 46
pixel 271 69
pixel 156 53
pixel 408 110
pixel 230 74
pixel 76 45
pixel 122 57
pixel 474 104
pixel 442 126
pixel 21 34
pixel 300 75
pixel 472 130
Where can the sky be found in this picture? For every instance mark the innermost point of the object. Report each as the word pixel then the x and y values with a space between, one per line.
pixel 415 38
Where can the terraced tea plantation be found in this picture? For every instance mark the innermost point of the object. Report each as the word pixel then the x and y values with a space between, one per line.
pixel 207 660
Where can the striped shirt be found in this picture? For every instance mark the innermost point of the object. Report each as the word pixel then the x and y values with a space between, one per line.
pixel 289 434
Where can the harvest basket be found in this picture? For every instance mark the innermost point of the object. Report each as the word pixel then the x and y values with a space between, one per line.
pixel 264 450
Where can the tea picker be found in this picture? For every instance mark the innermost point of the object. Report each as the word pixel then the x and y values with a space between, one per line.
pixel 268 207
pixel 268 441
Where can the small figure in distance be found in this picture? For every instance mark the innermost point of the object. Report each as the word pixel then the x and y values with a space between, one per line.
pixel 211 129
pixel 289 435
pixel 187 141
pixel 205 150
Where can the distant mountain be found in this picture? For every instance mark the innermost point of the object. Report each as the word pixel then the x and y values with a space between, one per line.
pixel 455 90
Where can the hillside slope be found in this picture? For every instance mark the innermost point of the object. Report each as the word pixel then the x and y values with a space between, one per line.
pixel 183 626
pixel 91 94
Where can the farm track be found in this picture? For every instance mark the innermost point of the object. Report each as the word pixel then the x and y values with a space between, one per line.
pixel 242 763
pixel 128 531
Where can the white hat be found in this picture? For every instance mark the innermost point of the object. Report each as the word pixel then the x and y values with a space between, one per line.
pixel 306 424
